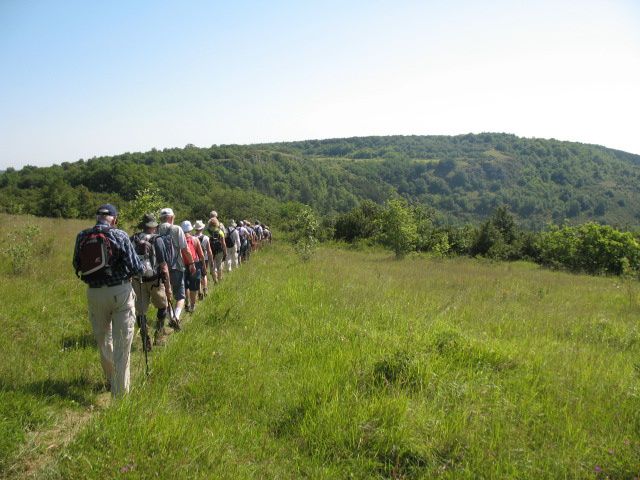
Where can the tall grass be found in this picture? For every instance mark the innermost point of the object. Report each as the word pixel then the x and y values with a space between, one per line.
pixel 356 365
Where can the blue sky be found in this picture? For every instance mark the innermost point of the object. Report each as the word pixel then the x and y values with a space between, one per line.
pixel 82 79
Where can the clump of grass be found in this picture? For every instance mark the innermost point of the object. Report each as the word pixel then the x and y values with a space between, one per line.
pixel 452 345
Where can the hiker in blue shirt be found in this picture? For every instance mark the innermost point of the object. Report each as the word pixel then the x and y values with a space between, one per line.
pixel 105 260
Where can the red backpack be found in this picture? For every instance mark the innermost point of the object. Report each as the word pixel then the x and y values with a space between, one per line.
pixel 95 255
pixel 192 249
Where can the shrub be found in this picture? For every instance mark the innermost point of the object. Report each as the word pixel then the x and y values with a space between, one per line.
pixel 305 230
pixel 398 230
pixel 590 248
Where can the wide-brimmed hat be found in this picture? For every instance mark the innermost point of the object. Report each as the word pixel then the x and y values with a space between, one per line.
pixel 186 226
pixel 149 220
pixel 199 225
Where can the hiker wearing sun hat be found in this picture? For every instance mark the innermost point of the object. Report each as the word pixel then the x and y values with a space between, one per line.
pixel 176 261
pixel 208 256
pixel 105 260
pixel 154 285
pixel 192 279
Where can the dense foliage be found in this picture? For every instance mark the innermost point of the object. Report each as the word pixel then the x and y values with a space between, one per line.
pixel 589 248
pixel 464 178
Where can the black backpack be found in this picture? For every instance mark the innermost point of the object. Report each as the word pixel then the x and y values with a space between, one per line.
pixel 143 244
pixel 216 242
pixel 95 255
pixel 228 239
pixel 169 250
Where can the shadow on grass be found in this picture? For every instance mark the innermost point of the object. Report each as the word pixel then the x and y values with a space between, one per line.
pixel 78 341
pixel 79 390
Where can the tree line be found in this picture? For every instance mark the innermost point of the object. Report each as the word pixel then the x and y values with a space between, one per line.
pixel 587 248
pixel 463 178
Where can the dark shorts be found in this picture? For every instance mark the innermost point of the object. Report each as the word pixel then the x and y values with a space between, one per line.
pixel 192 282
pixel 177 284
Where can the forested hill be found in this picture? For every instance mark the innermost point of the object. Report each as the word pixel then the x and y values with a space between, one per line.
pixel 463 177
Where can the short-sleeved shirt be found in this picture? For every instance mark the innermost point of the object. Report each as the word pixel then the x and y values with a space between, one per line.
pixel 179 242
pixel 204 241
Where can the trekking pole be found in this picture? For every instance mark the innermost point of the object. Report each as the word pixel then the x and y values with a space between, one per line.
pixel 176 323
pixel 145 341
pixel 144 336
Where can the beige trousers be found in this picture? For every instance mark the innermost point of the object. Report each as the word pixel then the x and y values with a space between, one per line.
pixel 112 316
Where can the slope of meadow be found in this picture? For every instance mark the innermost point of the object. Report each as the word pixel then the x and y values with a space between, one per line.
pixel 350 365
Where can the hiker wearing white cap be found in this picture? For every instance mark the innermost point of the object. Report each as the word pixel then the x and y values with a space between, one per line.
pixel 192 279
pixel 181 260
pixel 232 239
pixel 208 256
pixel 218 248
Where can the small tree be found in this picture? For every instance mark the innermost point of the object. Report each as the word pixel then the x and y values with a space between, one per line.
pixel 147 200
pixel 398 228
pixel 305 231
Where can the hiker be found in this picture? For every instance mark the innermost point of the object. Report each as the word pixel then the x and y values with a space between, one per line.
pixel 232 240
pixel 192 279
pixel 244 242
pixel 218 248
pixel 105 260
pixel 179 260
pixel 154 285
pixel 205 243
pixel 267 233
pixel 259 234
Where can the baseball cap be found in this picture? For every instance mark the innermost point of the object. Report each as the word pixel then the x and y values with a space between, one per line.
pixel 107 209
pixel 166 212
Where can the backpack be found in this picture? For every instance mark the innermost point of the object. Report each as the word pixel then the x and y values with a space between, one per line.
pixel 95 255
pixel 228 238
pixel 216 242
pixel 143 244
pixel 169 249
pixel 192 249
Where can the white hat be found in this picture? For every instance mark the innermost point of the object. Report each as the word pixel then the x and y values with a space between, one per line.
pixel 166 212
pixel 199 225
pixel 213 214
pixel 186 226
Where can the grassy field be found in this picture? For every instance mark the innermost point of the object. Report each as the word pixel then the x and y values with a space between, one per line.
pixel 352 365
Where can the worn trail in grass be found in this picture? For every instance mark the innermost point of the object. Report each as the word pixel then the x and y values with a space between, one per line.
pixel 358 365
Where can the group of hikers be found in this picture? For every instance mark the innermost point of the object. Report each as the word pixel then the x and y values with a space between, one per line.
pixel 164 264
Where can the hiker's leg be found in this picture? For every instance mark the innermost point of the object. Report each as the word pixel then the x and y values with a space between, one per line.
pixel 100 318
pixel 123 319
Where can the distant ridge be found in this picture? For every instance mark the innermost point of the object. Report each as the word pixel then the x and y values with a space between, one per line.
pixel 463 177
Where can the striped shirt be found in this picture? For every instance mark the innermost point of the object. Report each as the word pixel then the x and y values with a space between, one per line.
pixel 125 263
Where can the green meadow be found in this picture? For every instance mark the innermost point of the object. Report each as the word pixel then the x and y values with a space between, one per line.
pixel 351 365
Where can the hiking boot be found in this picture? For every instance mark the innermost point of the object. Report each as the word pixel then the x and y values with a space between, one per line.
pixel 175 324
pixel 159 338
pixel 200 296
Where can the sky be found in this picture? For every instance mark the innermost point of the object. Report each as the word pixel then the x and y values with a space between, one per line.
pixel 80 79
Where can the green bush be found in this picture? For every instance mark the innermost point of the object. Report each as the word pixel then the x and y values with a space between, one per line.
pixel 590 248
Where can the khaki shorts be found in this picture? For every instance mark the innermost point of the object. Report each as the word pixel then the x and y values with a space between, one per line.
pixel 149 292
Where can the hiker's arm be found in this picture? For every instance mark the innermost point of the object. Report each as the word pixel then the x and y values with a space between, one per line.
pixel 201 256
pixel 129 254
pixel 166 280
